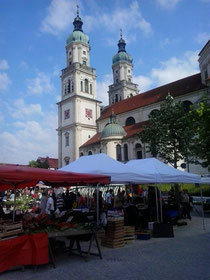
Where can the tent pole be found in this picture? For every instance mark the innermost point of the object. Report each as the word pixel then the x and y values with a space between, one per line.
pixel 161 206
pixel 201 193
pixel 156 198
pixel 14 208
pixel 97 205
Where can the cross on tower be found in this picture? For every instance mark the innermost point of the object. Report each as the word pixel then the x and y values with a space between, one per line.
pixel 77 10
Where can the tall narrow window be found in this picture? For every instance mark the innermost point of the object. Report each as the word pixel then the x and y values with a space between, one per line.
pixel 81 85
pixel 67 139
pixel 116 97
pixel 125 152
pixel 138 148
pixel 86 85
pixel 118 151
pixel 91 89
pixel 69 86
pixel 72 86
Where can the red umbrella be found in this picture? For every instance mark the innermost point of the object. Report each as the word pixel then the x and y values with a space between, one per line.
pixel 12 177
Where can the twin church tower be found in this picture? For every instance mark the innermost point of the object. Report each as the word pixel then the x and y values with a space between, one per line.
pixel 79 109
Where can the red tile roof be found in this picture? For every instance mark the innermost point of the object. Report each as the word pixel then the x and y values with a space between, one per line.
pixel 53 162
pixel 177 88
pixel 134 128
pixel 130 130
pixel 95 139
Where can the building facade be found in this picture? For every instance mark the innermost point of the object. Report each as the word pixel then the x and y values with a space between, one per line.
pixel 114 130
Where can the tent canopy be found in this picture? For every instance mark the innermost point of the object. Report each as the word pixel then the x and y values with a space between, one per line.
pixel 21 177
pixel 205 180
pixel 160 172
pixel 103 164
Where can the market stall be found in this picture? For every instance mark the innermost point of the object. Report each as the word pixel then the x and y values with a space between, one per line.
pixel 28 246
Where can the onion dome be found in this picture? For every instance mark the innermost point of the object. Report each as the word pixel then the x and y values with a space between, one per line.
pixel 77 35
pixel 122 55
pixel 113 129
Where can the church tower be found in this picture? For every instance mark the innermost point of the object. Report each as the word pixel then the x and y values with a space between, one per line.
pixel 123 86
pixel 78 108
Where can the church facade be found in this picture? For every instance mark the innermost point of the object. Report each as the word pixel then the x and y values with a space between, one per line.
pixel 84 130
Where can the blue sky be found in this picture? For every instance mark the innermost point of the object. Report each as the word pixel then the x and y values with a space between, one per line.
pixel 164 38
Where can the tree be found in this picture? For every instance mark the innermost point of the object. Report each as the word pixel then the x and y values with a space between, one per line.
pixel 37 163
pixel 200 147
pixel 169 132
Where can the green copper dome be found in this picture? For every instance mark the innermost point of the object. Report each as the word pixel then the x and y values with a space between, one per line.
pixel 77 36
pixel 112 129
pixel 122 56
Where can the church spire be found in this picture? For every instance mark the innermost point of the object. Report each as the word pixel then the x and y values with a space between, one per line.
pixel 121 43
pixel 77 22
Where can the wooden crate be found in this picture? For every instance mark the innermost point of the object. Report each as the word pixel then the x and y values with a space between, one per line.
pixel 115 233
pixel 129 234
pixel 8 229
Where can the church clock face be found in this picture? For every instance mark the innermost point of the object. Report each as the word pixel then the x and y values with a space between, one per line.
pixel 67 114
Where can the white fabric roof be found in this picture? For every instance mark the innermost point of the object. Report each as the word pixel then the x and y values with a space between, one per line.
pixel 205 180
pixel 104 165
pixel 160 172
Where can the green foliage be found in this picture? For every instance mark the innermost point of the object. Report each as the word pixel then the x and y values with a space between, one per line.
pixel 195 191
pixel 37 163
pixel 169 132
pixel 22 204
pixel 200 146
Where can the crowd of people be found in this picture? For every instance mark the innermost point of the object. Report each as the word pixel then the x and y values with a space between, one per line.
pixel 47 201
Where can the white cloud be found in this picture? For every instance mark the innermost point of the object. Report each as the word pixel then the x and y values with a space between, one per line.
pixel 21 110
pixel 168 4
pixel 102 87
pixel 4 64
pixel 176 68
pixel 4 82
pixel 128 19
pixel 39 85
pixel 143 82
pixel 60 15
pixel 202 38
pixel 28 142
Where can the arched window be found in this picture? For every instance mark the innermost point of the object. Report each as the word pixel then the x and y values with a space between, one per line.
pixel 118 152
pixel 86 85
pixel 81 85
pixel 187 105
pixel 125 152
pixel 67 160
pixel 91 89
pixel 130 121
pixel 81 154
pixel 90 153
pixel 154 112
pixel 116 97
pixel 138 149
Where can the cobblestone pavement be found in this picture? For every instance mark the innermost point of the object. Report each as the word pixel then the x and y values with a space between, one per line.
pixel 184 257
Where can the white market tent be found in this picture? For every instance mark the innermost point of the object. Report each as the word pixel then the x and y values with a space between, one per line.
pixel 104 165
pixel 160 172
pixel 205 180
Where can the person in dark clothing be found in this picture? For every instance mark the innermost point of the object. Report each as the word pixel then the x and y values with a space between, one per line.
pixel 152 203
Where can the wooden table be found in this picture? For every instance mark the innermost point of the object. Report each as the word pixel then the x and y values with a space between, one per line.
pixel 76 235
